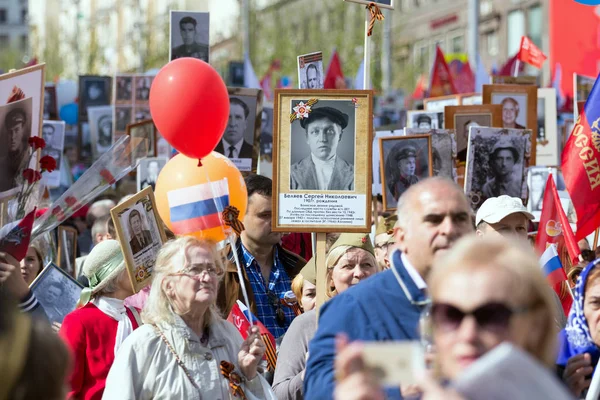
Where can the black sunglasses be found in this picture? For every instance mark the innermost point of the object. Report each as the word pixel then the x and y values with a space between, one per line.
pixel 493 317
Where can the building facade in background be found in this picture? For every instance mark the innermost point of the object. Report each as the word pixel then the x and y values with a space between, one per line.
pixel 14 30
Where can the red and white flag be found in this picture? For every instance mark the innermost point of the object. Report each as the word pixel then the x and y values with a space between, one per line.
pixel 15 237
pixel 530 53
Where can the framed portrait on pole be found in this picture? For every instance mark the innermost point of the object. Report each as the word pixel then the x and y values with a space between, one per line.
pixel 322 160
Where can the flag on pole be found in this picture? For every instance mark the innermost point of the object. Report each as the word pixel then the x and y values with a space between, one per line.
pixel 420 88
pixel 462 74
pixel 441 82
pixel 552 267
pixel 481 76
pixel 556 84
pixel 334 75
pixel 198 208
pixel 15 236
pixel 580 165
pixel 509 68
pixel 531 54
pixel 554 226
pixel 250 78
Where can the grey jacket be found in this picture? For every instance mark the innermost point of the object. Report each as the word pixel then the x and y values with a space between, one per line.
pixel 303 175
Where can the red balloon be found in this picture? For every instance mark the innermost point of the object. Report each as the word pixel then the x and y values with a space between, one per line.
pixel 189 104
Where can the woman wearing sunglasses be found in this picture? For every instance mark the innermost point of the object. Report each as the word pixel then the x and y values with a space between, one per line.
pixel 186 350
pixel 350 260
pixel 579 341
pixel 484 292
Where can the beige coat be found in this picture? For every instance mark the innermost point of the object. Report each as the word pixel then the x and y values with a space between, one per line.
pixel 145 368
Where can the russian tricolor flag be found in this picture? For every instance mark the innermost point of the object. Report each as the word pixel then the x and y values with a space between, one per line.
pixel 198 208
pixel 552 266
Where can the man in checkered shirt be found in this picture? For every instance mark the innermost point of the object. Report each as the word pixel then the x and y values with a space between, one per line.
pixel 267 268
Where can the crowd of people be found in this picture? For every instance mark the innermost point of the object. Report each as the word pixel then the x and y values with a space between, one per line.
pixel 473 279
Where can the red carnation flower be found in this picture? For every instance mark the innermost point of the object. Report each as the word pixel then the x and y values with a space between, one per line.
pixel 71 201
pixel 108 177
pixel 31 176
pixel 48 163
pixel 37 142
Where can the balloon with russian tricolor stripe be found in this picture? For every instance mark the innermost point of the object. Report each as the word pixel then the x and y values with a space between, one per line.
pixel 191 199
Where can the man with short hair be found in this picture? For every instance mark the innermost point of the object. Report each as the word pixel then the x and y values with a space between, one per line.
pixel 384 241
pixel 503 157
pixel 140 238
pixel 432 215
pixel 152 175
pixel 233 144
pixel 324 168
pixel 406 162
pixel 189 48
pixel 51 302
pixel 15 124
pixel 313 80
pixel 424 121
pixel 267 268
pixel 510 113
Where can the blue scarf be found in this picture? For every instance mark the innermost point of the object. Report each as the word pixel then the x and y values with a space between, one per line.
pixel 576 338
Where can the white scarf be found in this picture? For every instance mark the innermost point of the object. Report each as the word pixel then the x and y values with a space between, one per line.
pixel 115 309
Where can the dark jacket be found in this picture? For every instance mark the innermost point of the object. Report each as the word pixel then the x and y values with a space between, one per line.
pixel 135 244
pixel 395 317
pixel 230 290
pixel 245 151
pixel 303 176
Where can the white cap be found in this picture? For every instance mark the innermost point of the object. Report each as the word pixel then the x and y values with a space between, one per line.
pixel 495 209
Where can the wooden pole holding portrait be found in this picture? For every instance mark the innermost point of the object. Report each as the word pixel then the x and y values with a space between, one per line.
pixel 320 256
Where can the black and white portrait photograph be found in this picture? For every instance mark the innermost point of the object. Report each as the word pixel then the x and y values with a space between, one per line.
pixel 422 119
pixel 53 133
pixel 148 170
pixel 50 103
pixel 322 170
pixel 380 3
pixel 443 150
pixel 141 234
pixel 122 118
pixel 142 88
pixel 85 138
pixel 547 143
pixel 15 131
pixel 310 71
pixel 101 129
pixel 376 157
pixel 190 35
pixel 57 292
pixel 123 89
pixel 25 87
pixel 405 160
pixel 142 113
pixel 67 249
pixel 241 140
pixel 461 118
pixel 144 130
pixel 497 161
pixel 323 146
pixel 93 91
pixel 537 177
pixel 265 164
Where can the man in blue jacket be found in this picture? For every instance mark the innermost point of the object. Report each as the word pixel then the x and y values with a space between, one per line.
pixel 432 215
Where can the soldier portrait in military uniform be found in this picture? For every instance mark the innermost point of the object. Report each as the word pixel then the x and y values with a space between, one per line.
pixel 57 292
pixel 15 131
pixel 93 91
pixel 497 160
pixel 423 120
pixel 101 129
pixel 322 162
pixel 189 35
pixel 443 150
pixel 405 161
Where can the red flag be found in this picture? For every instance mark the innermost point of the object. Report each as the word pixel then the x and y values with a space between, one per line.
pixel 508 69
pixel 265 85
pixel 441 83
pixel 554 226
pixel 462 74
pixel 531 54
pixel 420 89
pixel 334 75
pixel 580 166
pixel 239 320
pixel 15 237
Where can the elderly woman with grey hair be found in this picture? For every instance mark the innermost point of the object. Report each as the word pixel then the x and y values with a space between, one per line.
pixel 185 349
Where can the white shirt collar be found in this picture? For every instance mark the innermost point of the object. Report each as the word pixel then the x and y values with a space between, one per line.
pixel 317 162
pixel 236 150
pixel 414 275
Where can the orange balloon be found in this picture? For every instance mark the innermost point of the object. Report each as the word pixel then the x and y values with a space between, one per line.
pixel 182 172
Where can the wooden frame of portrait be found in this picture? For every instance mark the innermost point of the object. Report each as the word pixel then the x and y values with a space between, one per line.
pixel 548 150
pixel 366 2
pixel 531 92
pixel 384 158
pixel 47 270
pixel 430 103
pixel 514 80
pixel 436 134
pixel 582 87
pixel 142 277
pixel 68 233
pixel 353 206
pixel 152 142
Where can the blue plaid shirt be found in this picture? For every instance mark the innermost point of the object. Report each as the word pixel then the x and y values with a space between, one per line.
pixel 279 283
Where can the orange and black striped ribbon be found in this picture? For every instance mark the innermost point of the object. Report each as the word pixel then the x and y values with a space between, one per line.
pixel 235 381
pixel 293 305
pixel 271 352
pixel 231 218
pixel 375 15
